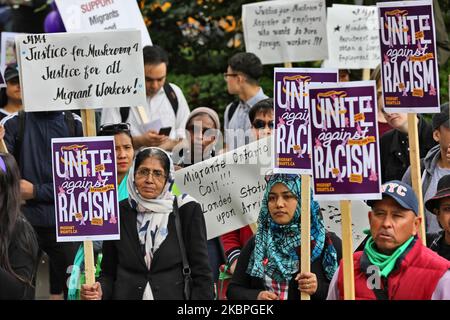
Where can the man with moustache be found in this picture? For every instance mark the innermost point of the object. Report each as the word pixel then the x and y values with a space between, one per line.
pixel 395 265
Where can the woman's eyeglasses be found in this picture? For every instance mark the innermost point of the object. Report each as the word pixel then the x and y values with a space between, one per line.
pixel 226 75
pixel 145 172
pixel 116 127
pixel 206 132
pixel 259 124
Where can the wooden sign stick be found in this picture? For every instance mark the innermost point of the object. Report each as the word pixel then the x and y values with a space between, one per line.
pixel 347 250
pixel 3 147
pixel 414 157
pixel 88 117
pixel 366 74
pixel 305 229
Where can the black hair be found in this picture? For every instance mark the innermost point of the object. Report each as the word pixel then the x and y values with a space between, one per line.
pixel 264 106
pixel 161 156
pixel 155 55
pixel 248 64
pixel 14 229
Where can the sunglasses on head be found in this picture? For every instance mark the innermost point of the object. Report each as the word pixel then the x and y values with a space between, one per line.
pixel 259 124
pixel 116 127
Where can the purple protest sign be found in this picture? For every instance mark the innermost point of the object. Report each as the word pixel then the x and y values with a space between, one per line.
pixel 344 136
pixel 85 184
pixel 409 72
pixel 291 104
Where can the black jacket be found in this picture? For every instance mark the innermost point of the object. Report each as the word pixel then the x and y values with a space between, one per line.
pixel 436 242
pixel 36 159
pixel 394 150
pixel 124 273
pixel 245 287
pixel 23 257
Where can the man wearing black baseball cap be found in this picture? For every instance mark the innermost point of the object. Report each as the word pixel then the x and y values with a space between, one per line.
pixel 440 206
pixel 435 165
pixel 395 265
pixel 11 96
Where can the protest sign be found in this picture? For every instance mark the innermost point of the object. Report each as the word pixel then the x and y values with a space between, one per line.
pixel 409 71
pixel 231 186
pixel 291 103
pixel 8 53
pixel 283 31
pixel 87 16
pixel 67 71
pixel 344 138
pixel 85 186
pixel 353 41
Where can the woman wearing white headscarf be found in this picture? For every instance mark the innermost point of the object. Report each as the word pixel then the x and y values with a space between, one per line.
pixel 146 263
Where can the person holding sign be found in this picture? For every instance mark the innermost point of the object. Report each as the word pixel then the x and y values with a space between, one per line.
pixel 11 96
pixel 261 117
pixel 162 252
pixel 28 137
pixel 203 128
pixel 268 266
pixel 124 153
pixel 395 265
pixel 242 77
pixel 440 205
pixel 394 144
pixel 166 106
pixel 435 165
pixel 19 249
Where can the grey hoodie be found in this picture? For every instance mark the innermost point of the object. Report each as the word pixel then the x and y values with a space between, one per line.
pixel 428 165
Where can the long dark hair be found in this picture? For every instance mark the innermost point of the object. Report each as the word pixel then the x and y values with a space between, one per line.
pixel 14 229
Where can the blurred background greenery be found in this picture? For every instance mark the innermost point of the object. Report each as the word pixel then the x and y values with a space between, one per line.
pixel 200 36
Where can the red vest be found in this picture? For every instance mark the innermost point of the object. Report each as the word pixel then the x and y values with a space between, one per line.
pixel 415 279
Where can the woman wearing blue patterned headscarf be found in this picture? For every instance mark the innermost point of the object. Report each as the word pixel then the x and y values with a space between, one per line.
pixel 268 267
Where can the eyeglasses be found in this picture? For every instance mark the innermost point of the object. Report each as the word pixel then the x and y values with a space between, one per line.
pixel 226 75
pixel 206 132
pixel 114 128
pixel 259 124
pixel 145 172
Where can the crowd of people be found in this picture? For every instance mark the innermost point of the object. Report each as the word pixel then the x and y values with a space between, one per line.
pixel 163 252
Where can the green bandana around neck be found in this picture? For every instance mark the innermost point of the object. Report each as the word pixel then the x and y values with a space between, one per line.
pixel 384 262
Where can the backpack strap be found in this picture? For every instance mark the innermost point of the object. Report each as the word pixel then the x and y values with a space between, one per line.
pixel 172 96
pixel 124 113
pixel 70 121
pixel 19 137
pixel 232 109
pixel 186 268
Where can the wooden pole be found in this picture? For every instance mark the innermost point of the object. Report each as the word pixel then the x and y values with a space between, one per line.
pixel 254 227
pixel 347 250
pixel 3 147
pixel 89 129
pixel 305 229
pixel 414 156
pixel 143 114
pixel 288 64
pixel 366 74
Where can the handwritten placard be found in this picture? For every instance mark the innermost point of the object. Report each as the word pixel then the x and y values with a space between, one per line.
pixel 283 31
pixel 344 136
pixel 86 16
pixel 85 186
pixel 409 71
pixel 291 103
pixel 353 41
pixel 231 192
pixel 65 71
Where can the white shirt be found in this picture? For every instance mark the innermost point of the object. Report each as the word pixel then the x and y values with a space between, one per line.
pixel 158 107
